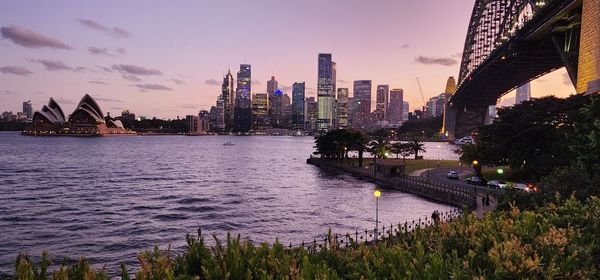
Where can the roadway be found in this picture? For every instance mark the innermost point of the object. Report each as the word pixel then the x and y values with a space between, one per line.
pixel 440 175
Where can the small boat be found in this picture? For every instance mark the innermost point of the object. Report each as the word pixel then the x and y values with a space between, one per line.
pixel 228 143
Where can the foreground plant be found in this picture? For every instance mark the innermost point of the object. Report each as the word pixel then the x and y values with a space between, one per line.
pixel 556 241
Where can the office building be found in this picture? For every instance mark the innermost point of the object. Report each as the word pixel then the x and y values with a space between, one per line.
pixel 298 96
pixel 381 106
pixel 193 122
pixel 311 112
pixel 523 93
pixel 342 107
pixel 405 110
pixel 325 93
pixel 243 104
pixel 362 97
pixel 396 106
pixel 27 110
pixel 228 97
pixel 260 111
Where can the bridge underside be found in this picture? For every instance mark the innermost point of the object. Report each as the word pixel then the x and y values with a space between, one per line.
pixel 549 41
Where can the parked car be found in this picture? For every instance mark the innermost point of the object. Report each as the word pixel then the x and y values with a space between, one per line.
pixel 526 187
pixel 477 181
pixel 452 174
pixel 496 184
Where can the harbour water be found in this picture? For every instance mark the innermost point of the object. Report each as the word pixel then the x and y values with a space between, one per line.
pixel 109 198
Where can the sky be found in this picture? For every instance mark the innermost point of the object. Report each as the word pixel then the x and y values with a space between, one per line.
pixel 167 58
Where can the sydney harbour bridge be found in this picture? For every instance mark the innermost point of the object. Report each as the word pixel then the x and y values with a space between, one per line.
pixel 511 42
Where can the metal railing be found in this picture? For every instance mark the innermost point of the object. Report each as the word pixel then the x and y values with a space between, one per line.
pixel 371 236
pixel 451 194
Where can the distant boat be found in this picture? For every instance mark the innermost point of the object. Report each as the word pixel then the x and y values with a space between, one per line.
pixel 228 143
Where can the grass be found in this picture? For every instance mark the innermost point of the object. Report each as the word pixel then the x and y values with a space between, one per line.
pixel 558 241
pixel 411 164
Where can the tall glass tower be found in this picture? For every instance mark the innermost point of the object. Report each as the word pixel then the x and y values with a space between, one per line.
pixel 228 97
pixel 298 93
pixel 362 97
pixel 243 102
pixel 325 94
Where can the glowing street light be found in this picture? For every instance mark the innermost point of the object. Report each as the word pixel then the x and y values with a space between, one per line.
pixel 500 171
pixel 376 194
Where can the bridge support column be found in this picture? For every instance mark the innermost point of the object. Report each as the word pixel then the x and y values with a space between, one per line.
pixel 465 120
pixel 588 74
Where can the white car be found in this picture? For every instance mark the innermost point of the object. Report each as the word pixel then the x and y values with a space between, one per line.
pixel 526 187
pixel 452 174
pixel 496 184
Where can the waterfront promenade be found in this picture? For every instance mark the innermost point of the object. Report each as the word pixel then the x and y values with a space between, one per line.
pixel 442 192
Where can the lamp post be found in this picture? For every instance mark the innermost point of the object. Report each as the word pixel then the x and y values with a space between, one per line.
pixel 376 194
pixel 475 164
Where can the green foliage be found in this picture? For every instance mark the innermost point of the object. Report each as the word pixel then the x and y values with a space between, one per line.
pixel 533 136
pixel 557 241
pixel 416 146
pixel 428 128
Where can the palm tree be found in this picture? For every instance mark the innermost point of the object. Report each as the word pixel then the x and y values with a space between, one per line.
pixel 357 141
pixel 417 146
pixel 378 148
pixel 404 149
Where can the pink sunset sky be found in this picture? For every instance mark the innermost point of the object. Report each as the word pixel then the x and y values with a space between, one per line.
pixel 167 58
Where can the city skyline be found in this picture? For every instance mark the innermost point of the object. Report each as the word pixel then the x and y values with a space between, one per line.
pixel 175 67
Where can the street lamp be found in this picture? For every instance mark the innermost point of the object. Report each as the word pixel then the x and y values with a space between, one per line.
pixel 376 194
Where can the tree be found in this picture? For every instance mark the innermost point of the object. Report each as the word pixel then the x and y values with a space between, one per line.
pixel 417 146
pixel 533 136
pixel 403 149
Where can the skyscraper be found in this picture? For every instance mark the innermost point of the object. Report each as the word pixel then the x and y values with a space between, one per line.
pixel 243 102
pixel 228 97
pixel 342 107
pixel 298 95
pixel 362 97
pixel 260 110
pixel 448 117
pixel 310 114
pixel 523 93
pixel 325 94
pixel 383 95
pixel 272 86
pixel 405 110
pixel 396 106
pixel 28 109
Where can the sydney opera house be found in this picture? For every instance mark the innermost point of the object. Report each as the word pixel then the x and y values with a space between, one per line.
pixel 86 120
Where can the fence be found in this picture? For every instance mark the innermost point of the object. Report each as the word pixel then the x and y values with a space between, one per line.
pixel 450 194
pixel 383 234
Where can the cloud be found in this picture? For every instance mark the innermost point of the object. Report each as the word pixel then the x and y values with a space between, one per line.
pixel 30 39
pixel 178 82
pixel 108 100
pixel 342 81
pixel 187 106
pixel 256 83
pixel 105 69
pixel 145 87
pixel 98 82
pixel 65 101
pixel 115 31
pixel 135 70
pixel 53 65
pixel 285 88
pixel 15 70
pixel 7 92
pixel 444 61
pixel 106 51
pixel 132 78
pixel 212 82
pixel 404 46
